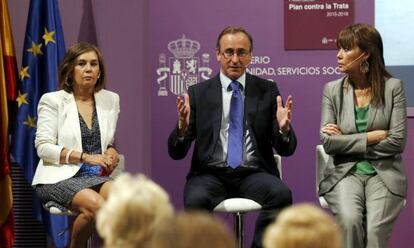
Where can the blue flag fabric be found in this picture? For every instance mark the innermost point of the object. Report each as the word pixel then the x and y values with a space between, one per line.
pixel 44 49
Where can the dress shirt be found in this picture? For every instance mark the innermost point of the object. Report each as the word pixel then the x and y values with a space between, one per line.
pixel 219 156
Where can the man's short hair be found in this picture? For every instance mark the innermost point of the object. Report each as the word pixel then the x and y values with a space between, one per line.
pixel 234 30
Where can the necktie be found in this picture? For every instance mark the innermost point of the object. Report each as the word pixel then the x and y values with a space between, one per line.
pixel 235 140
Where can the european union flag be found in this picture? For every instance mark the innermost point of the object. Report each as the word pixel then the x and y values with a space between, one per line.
pixel 44 48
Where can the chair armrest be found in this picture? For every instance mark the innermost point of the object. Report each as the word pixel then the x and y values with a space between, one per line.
pixel 322 161
pixel 278 160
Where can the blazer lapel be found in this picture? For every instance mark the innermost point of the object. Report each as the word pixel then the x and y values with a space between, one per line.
pixel 215 98
pixel 372 112
pixel 102 117
pixel 348 110
pixel 250 101
pixel 70 111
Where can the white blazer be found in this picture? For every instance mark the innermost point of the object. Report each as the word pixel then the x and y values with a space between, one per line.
pixel 58 127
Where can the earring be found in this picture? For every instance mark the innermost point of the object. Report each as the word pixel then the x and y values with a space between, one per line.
pixel 68 82
pixel 364 66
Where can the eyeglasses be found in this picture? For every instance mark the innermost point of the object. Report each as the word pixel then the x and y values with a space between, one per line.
pixel 229 53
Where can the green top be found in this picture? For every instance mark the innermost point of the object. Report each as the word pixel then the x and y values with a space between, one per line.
pixel 362 167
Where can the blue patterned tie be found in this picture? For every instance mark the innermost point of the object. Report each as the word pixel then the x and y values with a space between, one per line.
pixel 235 142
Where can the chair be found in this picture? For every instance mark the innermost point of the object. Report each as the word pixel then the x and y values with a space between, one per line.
pixel 67 212
pixel 239 206
pixel 322 160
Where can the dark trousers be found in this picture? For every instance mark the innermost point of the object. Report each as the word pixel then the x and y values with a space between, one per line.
pixel 206 190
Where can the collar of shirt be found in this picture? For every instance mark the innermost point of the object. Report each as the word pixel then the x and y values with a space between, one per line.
pixel 225 81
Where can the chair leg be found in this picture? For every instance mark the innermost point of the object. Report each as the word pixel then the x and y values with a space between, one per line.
pixel 89 242
pixel 239 228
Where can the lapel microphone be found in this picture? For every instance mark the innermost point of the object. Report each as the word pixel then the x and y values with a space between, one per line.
pixel 353 61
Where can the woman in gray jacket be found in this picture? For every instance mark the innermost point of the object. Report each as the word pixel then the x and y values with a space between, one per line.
pixel 363 127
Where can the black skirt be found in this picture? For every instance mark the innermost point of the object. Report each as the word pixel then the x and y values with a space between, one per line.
pixel 61 193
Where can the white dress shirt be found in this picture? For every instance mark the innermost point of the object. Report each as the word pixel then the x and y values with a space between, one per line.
pixel 219 156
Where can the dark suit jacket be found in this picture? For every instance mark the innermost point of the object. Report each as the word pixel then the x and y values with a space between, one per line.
pixel 205 122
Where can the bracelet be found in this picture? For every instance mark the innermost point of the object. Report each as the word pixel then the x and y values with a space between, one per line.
pixel 81 157
pixel 67 156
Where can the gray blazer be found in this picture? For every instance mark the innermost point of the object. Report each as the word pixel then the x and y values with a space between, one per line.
pixel 351 146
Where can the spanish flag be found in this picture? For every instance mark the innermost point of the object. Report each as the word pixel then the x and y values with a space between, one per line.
pixel 8 86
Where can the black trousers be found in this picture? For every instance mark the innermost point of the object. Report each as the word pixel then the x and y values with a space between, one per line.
pixel 207 189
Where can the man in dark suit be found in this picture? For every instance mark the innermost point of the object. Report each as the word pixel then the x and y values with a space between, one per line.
pixel 235 119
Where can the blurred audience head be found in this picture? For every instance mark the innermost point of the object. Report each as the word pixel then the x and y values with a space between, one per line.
pixel 193 229
pixel 134 207
pixel 302 226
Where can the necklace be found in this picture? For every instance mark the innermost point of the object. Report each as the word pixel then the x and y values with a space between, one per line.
pixel 363 91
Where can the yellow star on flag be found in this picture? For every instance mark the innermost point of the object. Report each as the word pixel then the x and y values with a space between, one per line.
pixel 30 122
pixel 48 36
pixel 24 72
pixel 35 49
pixel 21 99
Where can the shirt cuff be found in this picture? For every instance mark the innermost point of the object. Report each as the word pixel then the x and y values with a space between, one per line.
pixel 285 137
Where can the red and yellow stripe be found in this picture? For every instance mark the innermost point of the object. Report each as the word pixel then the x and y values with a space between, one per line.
pixel 8 92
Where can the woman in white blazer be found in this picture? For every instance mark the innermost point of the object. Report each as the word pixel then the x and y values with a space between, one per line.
pixel 364 127
pixel 74 139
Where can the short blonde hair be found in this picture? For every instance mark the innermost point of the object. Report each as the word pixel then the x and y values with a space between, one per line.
pixel 134 207
pixel 302 226
pixel 193 229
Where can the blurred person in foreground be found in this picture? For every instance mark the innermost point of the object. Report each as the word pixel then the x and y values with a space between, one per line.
pixel 303 226
pixel 135 206
pixel 193 229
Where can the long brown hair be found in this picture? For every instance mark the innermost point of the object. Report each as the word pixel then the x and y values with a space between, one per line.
pixel 68 64
pixel 368 39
